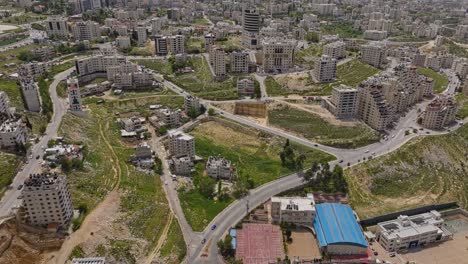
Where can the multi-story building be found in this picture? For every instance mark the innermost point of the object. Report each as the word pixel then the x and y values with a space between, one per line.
pixel 218 61
pixel 33 69
pixel 408 232
pixel 181 144
pixel 192 102
pixel 219 168
pixel 343 102
pixel 176 44
pixel 251 28
pixel 210 39
pixel 142 35
pixel 74 97
pixel 5 109
pixel 419 59
pixel 47 200
pixel 245 87
pixel 30 93
pixel 56 26
pixel 182 165
pixel 373 54
pixel 123 42
pixel 439 113
pixel 240 62
pixel 297 210
pixel 373 109
pixel 13 132
pixel 278 55
pixel 171 118
pixel 336 50
pixel 44 53
pixel 160 43
pixel 86 30
pixel 433 62
pixel 325 69
pixel 427 85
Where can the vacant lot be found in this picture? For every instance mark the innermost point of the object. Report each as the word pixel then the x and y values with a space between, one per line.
pixel 161 66
pixel 10 56
pixel 12 89
pixel 304 245
pixel 313 127
pixel 440 81
pixel 354 72
pixel 9 164
pixel 202 83
pixel 424 171
pixel 463 104
pixel 309 55
pixel 174 248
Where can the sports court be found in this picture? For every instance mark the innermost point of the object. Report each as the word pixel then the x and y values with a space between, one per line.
pixel 259 243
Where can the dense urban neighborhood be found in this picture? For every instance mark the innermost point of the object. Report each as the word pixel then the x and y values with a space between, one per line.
pixel 235 131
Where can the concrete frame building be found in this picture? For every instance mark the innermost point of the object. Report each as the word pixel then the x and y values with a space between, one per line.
pixel 245 87
pixel 182 165
pixel 56 26
pixel 240 62
pixel 297 210
pixel 373 108
pixel 47 200
pixel 30 93
pixel 439 113
pixel 325 69
pixel 219 168
pixel 336 50
pixel 218 61
pixel 169 45
pixel 373 54
pixel 12 132
pixel 181 144
pixel 278 55
pixel 343 102
pixel 74 97
pixel 192 102
pixel 123 42
pixel 142 35
pixel 86 30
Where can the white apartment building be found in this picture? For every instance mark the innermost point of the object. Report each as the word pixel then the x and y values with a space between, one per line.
pixel 219 168
pixel 373 109
pixel 123 42
pixel 47 200
pixel 191 102
pixel 325 69
pixel 142 35
pixel 408 232
pixel 297 210
pixel 218 61
pixel 336 50
pixel 33 69
pixel 251 28
pixel 240 62
pixel 343 102
pixel 12 133
pixel 373 54
pixel 181 144
pixel 439 112
pixel 86 30
pixel 56 26
pixel 176 44
pixel 278 55
pixel 74 97
pixel 30 93
pixel 245 87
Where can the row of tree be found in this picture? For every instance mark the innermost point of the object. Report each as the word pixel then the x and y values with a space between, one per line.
pixel 320 177
pixel 289 159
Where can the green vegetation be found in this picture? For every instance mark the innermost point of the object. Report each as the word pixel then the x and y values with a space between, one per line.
pixel 462 100
pixel 313 127
pixel 440 81
pixel 354 72
pixel 202 83
pixel 10 56
pixel 22 19
pixel 456 50
pixel 27 56
pixel 11 88
pixel 46 101
pixel 232 43
pixel 309 55
pixel 426 170
pixel 273 88
pixel 9 163
pixel 343 29
pixel 77 252
pixel 56 69
pixel 174 248
pixel 161 66
pixel 201 22
pixel 12 40
pixel 195 45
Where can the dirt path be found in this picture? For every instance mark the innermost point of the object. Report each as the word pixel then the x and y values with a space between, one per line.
pixel 161 240
pixel 93 222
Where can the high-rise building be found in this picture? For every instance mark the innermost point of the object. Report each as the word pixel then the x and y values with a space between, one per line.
pixel 336 50
pixel 343 102
pixel 5 110
pixel 141 35
pixel 176 44
pixel 123 42
pixel 239 62
pixel 373 109
pixel 373 54
pixel 218 61
pixel 192 102
pixel 251 28
pixel 325 69
pixel 278 55
pixel 439 113
pixel 30 93
pixel 181 144
pixel 160 43
pixel 47 200
pixel 86 30
pixel 74 97
pixel 56 26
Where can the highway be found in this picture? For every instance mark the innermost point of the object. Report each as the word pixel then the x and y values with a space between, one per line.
pixel 10 200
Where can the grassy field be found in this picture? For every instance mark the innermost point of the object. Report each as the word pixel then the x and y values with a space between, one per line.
pixel 10 56
pixel 195 45
pixel 463 104
pixel 8 163
pixel 11 88
pixel 440 81
pixel 254 154
pixel 232 43
pixel 174 248
pixel 161 66
pixel 354 72
pixel 201 22
pixel 315 128
pixel 202 83
pixel 424 171
pixel 22 19
pixel 345 30
pixel 309 55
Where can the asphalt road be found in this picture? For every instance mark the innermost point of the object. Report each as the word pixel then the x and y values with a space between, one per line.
pixel 10 200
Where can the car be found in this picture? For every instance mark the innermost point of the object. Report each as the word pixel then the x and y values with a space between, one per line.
pixel 392 254
pixel 20 187
pixel 376 253
pixel 38 156
pixel 315 145
pixel 213 227
pixel 165 182
pixel 367 151
pixel 30 156
pixel 341 161
pixel 203 241
pixel 393 136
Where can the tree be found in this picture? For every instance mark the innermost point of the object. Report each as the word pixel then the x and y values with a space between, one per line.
pixel 211 112
pixel 225 247
pixel 192 112
pixel 257 90
pixel 27 56
pixel 158 165
pixel 300 160
pixel 312 37
pixel 206 186
pixel 162 130
pixel 66 164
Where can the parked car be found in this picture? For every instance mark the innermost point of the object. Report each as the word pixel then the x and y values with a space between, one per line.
pixel 213 227
pixel 20 187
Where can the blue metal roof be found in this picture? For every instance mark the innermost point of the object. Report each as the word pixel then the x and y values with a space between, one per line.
pixel 336 224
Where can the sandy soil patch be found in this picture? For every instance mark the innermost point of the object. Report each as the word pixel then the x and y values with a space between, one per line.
pixel 304 246
pixel 4 28
pixel 300 81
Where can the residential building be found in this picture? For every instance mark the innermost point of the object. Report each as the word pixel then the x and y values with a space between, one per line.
pixel 278 55
pixel 132 124
pixel 373 109
pixel 86 30
pixel 170 118
pixel 408 232
pixel 219 168
pixel 210 39
pixel 433 62
pixel 47 200
pixel 251 28
pixel 5 109
pixel 160 43
pixel 419 59
pixel 143 157
pixel 142 36
pixel 343 102
pixel 74 97
pixel 123 42
pixel 296 210
pixel 245 87
pixel 44 53
pixel 373 54
pixel 13 132
pixel 325 69
pixel 427 85
pixel 240 62
pixel 335 50
pixel 182 165
pixel 439 113
pixel 176 44
pixel 218 61
pixel 181 144
pixel 33 69
pixel 30 93
pixel 56 26
pixel 192 102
